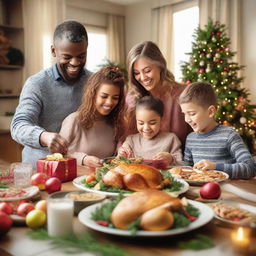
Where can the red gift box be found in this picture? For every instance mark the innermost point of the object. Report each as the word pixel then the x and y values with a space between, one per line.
pixel 64 169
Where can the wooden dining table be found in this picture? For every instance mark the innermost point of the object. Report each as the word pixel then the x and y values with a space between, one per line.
pixel 16 242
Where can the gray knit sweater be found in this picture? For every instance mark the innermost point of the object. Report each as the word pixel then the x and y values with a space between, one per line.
pixel 46 99
pixel 224 146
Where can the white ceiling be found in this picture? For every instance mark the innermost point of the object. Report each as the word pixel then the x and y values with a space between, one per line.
pixel 124 2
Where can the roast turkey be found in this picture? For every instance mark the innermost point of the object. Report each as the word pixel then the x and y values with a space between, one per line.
pixel 135 177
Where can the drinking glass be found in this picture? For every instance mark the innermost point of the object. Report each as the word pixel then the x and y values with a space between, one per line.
pixel 22 173
pixel 60 216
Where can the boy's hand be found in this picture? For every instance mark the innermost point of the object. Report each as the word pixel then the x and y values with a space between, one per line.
pixel 164 156
pixel 92 161
pixel 125 152
pixel 205 165
pixel 54 142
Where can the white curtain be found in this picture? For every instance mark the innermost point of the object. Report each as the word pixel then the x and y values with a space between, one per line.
pixel 162 32
pixel 116 39
pixel 40 20
pixel 227 12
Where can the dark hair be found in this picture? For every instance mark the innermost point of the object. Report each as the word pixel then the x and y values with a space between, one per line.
pixel 87 110
pixel 200 93
pixel 72 30
pixel 151 103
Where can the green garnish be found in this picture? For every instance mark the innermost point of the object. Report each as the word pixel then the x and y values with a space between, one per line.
pixel 104 211
pixel 201 242
pixel 84 241
pixel 4 186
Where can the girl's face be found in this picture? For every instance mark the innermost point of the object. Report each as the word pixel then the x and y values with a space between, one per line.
pixel 147 74
pixel 107 97
pixel 148 122
pixel 199 118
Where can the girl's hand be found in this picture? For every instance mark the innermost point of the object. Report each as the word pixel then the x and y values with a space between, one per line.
pixel 125 152
pixel 205 165
pixel 92 161
pixel 164 156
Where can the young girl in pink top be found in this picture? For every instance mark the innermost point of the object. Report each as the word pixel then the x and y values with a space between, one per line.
pixel 150 142
pixel 94 129
pixel 148 75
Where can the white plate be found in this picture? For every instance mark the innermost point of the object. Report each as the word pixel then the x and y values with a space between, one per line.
pixel 246 207
pixel 30 191
pixel 206 214
pixel 78 183
pixel 198 182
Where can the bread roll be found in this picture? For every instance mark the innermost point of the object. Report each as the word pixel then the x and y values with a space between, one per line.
pixel 133 206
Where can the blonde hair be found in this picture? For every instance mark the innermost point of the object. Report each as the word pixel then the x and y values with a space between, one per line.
pixel 152 53
pixel 87 111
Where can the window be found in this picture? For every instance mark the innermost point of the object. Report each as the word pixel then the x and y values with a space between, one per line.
pixel 184 24
pixel 97 47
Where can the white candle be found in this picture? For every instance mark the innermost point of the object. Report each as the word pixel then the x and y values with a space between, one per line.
pixel 60 216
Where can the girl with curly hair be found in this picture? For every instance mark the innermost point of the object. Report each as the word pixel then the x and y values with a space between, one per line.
pixel 92 132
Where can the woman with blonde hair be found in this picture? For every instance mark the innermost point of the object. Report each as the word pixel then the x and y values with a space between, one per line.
pixel 93 130
pixel 148 75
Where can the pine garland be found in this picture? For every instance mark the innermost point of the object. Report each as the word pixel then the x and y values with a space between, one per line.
pixel 84 241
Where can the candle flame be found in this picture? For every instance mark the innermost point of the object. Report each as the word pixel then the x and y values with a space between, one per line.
pixel 240 233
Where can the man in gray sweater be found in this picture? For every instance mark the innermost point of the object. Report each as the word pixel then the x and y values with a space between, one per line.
pixel 52 94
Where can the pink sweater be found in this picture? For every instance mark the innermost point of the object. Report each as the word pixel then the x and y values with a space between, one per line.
pixel 95 141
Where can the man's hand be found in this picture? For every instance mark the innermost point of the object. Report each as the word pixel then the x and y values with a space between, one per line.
pixel 54 142
pixel 205 165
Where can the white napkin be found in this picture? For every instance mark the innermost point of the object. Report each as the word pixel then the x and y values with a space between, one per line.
pixel 240 192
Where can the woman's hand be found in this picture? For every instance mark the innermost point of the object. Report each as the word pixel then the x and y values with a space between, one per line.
pixel 205 165
pixel 164 156
pixel 92 161
pixel 125 152
pixel 54 142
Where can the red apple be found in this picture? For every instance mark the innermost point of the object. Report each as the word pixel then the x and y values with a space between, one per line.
pixel 39 179
pixel 52 185
pixel 6 207
pixel 24 209
pixel 5 223
pixel 210 190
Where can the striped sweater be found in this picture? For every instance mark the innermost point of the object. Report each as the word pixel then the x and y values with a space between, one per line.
pixel 224 146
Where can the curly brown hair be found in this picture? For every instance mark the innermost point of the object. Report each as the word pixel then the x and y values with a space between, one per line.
pixel 87 111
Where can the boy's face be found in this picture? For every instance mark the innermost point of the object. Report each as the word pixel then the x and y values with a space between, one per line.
pixel 71 58
pixel 148 122
pixel 199 118
pixel 107 97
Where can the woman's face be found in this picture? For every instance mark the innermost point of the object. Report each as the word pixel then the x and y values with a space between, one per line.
pixel 107 97
pixel 147 74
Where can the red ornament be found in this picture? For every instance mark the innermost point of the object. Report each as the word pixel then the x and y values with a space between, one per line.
pixel 188 82
pixel 201 70
pixel 218 33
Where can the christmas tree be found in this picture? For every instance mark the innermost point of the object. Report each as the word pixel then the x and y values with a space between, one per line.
pixel 211 61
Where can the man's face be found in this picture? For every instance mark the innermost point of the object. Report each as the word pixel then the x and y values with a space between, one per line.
pixel 71 58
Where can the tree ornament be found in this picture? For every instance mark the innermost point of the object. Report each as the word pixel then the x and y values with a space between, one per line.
pixel 201 70
pixel 226 123
pixel 201 63
pixel 214 39
pixel 242 120
pixel 208 69
pixel 208 55
pixel 202 54
pixel 217 55
pixel 218 33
